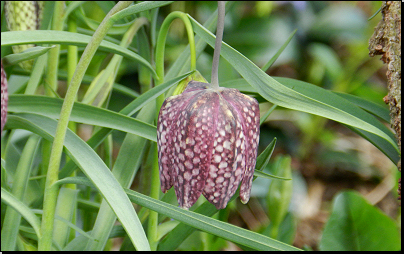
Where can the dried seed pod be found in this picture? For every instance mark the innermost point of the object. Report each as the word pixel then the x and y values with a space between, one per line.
pixel 22 16
pixel 4 97
pixel 207 144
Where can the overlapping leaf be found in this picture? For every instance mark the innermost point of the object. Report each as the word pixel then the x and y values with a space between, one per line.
pixel 300 96
pixel 95 169
pixel 67 38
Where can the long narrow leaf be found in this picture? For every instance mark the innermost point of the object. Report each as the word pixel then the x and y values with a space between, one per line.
pixel 389 149
pixel 67 38
pixel 95 169
pixel 207 224
pixel 81 113
pixel 306 98
pixel 23 209
pixel 204 223
pixel 27 54
pixel 88 114
pixel 371 107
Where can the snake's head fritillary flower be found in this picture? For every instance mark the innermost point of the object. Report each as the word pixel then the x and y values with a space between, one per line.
pixel 4 97
pixel 207 144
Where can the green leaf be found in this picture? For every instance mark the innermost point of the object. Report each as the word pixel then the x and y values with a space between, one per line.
pixel 278 53
pixel 94 168
pixel 204 223
pixel 261 174
pixel 263 158
pixel 142 6
pixel 355 225
pixel 81 113
pixel 384 145
pixel 23 209
pixel 124 170
pixel 116 29
pixel 207 224
pixel 68 223
pixel 371 107
pixel 300 95
pixel 19 189
pixel 67 38
pixel 27 54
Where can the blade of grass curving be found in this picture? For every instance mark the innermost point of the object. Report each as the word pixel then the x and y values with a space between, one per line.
pixel 117 87
pixel 92 115
pixel 12 219
pixel 27 54
pixel 261 174
pixel 225 230
pixel 263 158
pixel 384 146
pixel 265 116
pixel 278 53
pixel 300 96
pixel 124 170
pixel 371 107
pixel 116 29
pixel 22 209
pixel 67 38
pixel 68 223
pixel 81 113
pixel 143 6
pixel 381 143
pixel 94 168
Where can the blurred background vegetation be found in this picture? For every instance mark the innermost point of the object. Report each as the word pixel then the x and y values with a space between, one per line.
pixel 330 49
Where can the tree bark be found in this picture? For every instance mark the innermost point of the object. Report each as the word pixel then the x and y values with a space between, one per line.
pixel 386 41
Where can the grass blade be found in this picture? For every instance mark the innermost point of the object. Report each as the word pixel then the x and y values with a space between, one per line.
pixel 95 169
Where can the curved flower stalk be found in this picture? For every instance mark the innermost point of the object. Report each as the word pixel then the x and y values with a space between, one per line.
pixel 4 97
pixel 21 16
pixel 207 144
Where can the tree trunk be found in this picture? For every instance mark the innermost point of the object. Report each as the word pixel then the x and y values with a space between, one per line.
pixel 386 41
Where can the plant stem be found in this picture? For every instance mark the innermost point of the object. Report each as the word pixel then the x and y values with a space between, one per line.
pixel 154 193
pixel 49 205
pixel 53 58
pixel 161 40
pixel 218 44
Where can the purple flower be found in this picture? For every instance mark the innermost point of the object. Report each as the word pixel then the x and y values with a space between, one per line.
pixel 4 97
pixel 207 144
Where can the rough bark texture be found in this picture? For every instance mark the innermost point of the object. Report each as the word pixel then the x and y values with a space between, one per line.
pixel 386 41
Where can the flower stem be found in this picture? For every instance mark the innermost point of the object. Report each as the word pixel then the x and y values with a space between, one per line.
pixel 218 43
pixel 50 197
pixel 154 193
pixel 161 40
pixel 53 58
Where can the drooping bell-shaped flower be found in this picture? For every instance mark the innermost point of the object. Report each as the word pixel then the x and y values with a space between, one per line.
pixel 207 144
pixel 4 97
